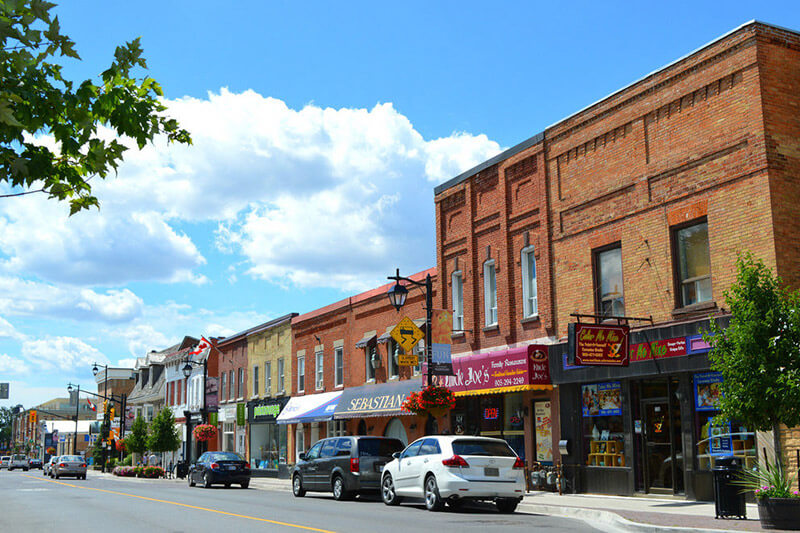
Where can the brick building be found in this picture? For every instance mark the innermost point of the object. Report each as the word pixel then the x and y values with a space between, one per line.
pixel 232 386
pixel 636 206
pixel 343 357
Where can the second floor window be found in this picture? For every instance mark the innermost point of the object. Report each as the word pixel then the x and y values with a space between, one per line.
pixel 608 279
pixel 394 356
pixel 222 385
pixel 255 380
pixel 268 377
pixel 490 292
pixel 338 355
pixel 693 264
pixel 301 373
pixel 281 377
pixel 458 300
pixel 530 295
pixel 240 392
pixel 319 371
pixel 371 355
pixel 231 385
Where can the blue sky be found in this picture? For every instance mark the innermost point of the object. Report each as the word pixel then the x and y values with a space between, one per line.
pixel 320 131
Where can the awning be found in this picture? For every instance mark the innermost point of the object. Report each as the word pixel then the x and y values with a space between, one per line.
pixel 366 340
pixel 385 399
pixel 311 408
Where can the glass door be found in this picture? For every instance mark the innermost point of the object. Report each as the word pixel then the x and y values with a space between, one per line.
pixel 658 451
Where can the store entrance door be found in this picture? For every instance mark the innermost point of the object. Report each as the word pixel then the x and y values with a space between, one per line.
pixel 658 461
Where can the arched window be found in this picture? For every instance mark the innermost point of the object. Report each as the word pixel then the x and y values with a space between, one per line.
pixel 394 429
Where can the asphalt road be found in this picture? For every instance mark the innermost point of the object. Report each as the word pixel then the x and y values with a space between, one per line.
pixel 32 502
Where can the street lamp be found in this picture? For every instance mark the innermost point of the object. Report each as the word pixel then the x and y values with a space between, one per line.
pixel 397 296
pixel 106 422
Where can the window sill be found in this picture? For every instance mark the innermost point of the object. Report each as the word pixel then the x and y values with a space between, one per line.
pixel 530 320
pixel 339 386
pixel 460 335
pixel 694 308
pixel 491 329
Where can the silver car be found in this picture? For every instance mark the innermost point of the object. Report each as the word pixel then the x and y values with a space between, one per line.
pixel 48 466
pixel 69 465
pixel 5 461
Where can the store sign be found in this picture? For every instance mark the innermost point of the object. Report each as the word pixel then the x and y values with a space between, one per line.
pixel 544 431
pixel 212 401
pixel 602 399
pixel 491 413
pixel 707 391
pixel 601 345
pixel 241 414
pixel 267 410
pixel 441 339
pixel 662 349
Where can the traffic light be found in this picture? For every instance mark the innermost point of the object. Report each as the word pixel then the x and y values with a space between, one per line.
pixel 112 413
pixel 105 406
pixel 34 417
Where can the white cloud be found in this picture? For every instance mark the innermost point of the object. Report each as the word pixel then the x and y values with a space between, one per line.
pixel 129 362
pixel 29 298
pixel 8 331
pixel 13 366
pixel 61 353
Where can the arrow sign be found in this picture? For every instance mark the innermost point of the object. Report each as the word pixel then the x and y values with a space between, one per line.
pixel 407 334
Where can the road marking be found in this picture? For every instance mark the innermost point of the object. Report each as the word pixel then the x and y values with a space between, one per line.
pixel 184 505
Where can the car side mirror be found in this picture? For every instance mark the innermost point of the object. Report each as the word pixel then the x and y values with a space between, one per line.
pixel 396 455
pixel 302 456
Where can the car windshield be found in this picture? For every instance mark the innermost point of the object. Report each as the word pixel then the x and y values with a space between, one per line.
pixel 71 458
pixel 482 447
pixel 378 447
pixel 225 456
pixel 19 457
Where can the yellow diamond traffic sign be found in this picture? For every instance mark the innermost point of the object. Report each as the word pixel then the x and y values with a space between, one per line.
pixel 407 334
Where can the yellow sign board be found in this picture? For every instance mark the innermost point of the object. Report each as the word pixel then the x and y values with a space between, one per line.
pixel 407 334
pixel 408 359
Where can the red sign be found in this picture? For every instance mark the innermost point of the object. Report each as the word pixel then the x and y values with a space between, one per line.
pixel 658 349
pixel 601 345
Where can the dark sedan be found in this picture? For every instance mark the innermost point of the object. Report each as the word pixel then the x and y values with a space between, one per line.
pixel 35 463
pixel 220 468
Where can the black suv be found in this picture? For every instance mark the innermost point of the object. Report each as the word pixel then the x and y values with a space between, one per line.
pixel 345 466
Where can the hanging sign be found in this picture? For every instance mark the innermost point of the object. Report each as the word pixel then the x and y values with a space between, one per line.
pixel 601 345
pixel 441 337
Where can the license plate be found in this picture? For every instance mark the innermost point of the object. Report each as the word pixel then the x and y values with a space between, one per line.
pixel 231 467
pixel 488 471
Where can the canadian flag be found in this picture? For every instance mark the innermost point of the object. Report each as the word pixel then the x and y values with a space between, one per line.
pixel 92 406
pixel 204 345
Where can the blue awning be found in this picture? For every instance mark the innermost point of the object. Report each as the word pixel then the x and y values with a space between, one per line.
pixel 310 408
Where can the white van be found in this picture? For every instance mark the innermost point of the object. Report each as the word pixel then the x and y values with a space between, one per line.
pixel 19 460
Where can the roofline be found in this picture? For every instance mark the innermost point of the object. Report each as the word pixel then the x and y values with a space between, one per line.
pixel 540 136
pixel 255 329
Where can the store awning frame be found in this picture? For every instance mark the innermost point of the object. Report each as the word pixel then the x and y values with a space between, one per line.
pixel 309 408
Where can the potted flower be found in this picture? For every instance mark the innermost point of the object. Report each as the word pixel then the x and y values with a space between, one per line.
pixel 432 399
pixel 204 432
pixel 778 502
pixel 120 445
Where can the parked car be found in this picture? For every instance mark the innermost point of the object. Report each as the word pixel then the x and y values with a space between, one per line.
pixel 454 469
pixel 220 468
pixel 35 463
pixel 19 460
pixel 48 466
pixel 5 461
pixel 344 466
pixel 69 465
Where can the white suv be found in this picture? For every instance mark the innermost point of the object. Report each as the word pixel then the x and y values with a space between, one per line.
pixel 19 460
pixel 451 469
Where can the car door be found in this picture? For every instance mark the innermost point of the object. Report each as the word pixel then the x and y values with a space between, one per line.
pixel 197 471
pixel 308 469
pixel 406 467
pixel 325 463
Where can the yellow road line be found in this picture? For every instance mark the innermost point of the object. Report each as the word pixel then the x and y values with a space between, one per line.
pixel 182 505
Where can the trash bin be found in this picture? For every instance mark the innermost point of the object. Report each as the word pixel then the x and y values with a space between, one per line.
pixel 728 497
pixel 181 469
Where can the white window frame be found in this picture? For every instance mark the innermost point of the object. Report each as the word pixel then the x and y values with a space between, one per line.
pixel 368 350
pixel 457 282
pixel 530 291
pixel 319 370
pixel 337 428
pixel 268 378
pixel 338 365
pixel 489 293
pixel 301 373
pixel 282 375
pixel 255 381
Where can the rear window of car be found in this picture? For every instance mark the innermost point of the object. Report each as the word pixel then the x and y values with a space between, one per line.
pixel 19 457
pixel 482 447
pixel 378 447
pixel 225 456
pixel 71 458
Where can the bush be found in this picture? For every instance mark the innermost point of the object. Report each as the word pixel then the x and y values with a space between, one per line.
pixel 128 460
pixel 111 462
pixel 153 472
pixel 124 471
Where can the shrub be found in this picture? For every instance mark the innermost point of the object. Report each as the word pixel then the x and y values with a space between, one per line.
pixel 111 462
pixel 153 472
pixel 124 471
pixel 128 460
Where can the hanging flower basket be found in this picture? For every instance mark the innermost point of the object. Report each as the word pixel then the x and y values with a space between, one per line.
pixel 205 432
pixel 120 445
pixel 433 400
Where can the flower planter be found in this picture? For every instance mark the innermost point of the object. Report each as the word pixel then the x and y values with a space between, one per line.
pixel 779 513
pixel 436 412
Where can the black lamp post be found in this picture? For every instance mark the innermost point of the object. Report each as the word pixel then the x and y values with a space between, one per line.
pixel 187 371
pixel 106 422
pixel 397 296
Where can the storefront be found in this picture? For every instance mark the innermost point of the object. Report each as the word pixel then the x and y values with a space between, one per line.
pixel 647 427
pixel 304 414
pixel 268 441
pixel 377 410
pixel 506 394
pixel 227 421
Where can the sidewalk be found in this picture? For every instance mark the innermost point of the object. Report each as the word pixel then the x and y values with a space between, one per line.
pixel 607 513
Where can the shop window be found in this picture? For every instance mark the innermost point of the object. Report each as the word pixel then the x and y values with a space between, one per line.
pixel 267 446
pixel 299 440
pixel 371 360
pixel 457 283
pixel 301 373
pixel 513 422
pixel 693 264
pixel 319 371
pixel 610 300
pixel 394 358
pixel 337 428
pixel 530 300
pixel 718 438
pixel 268 378
pixel 338 356
pixel 603 432
pixel 281 377
pixel 490 292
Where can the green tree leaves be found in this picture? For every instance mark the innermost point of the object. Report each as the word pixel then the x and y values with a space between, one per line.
pixel 35 100
pixel 163 433
pixel 136 440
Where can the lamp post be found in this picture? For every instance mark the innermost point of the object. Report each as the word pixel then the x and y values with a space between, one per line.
pixel 187 371
pixel 77 412
pixel 397 296
pixel 106 422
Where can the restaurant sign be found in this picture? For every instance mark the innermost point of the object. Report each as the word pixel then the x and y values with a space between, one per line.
pixel 601 345
pixel 661 349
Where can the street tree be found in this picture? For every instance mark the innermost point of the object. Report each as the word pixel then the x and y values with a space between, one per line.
pixel 758 354
pixel 163 433
pixel 136 440
pixel 6 417
pixel 36 100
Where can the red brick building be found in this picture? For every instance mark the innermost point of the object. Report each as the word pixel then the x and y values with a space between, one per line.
pixel 636 206
pixel 233 395
pixel 343 353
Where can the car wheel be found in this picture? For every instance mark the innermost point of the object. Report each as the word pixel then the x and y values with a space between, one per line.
pixel 388 493
pixel 339 492
pixel 506 505
pixel 206 481
pixel 245 484
pixel 191 481
pixel 297 487
pixel 433 502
